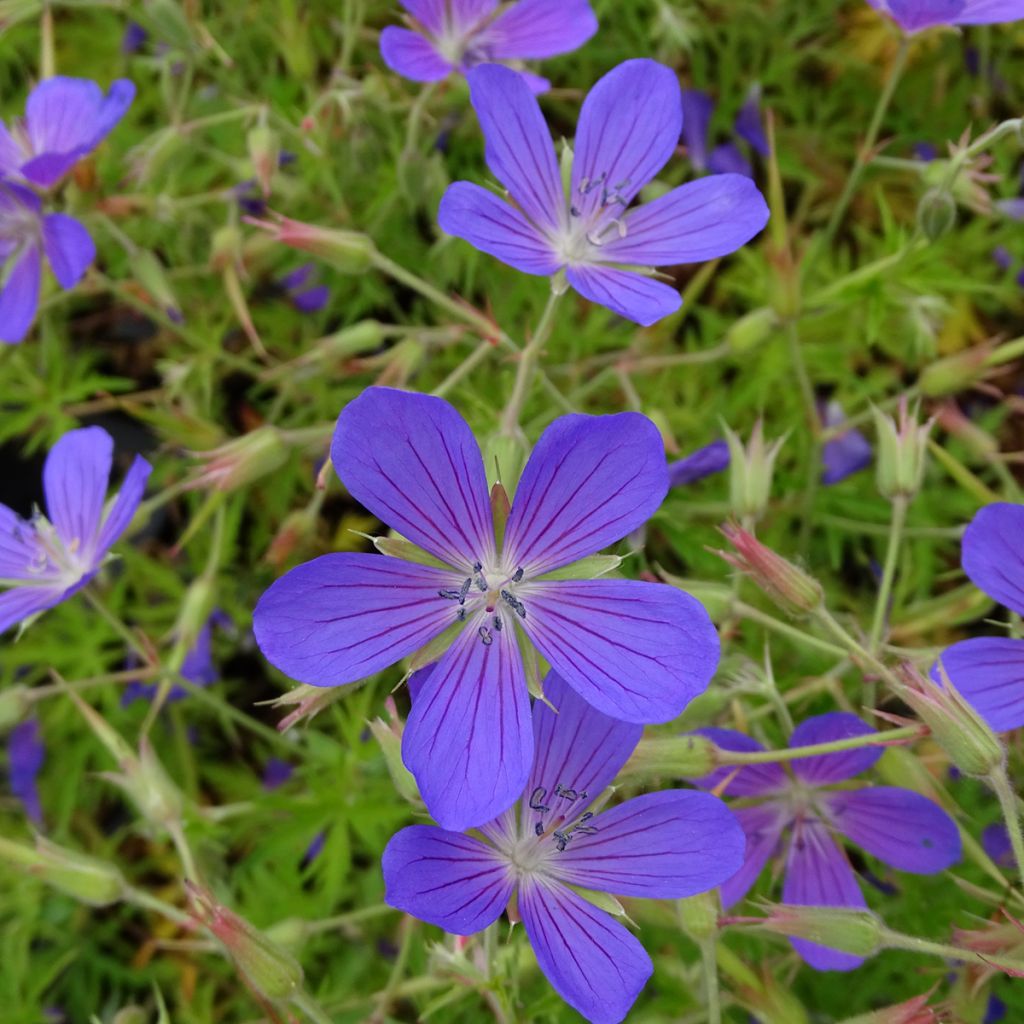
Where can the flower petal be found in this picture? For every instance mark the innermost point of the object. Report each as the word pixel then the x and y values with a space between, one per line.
pixel 846 454
pixel 125 505
pixel 763 828
pixel 534 29
pixel 343 617
pixel 748 124
pixel 19 298
pixel 701 220
pixel 628 128
pixel 589 481
pixel 445 878
pixel 496 228
pixel 986 12
pixel 429 13
pixel 413 462
pixel 712 458
pixel 819 875
pixel 991 553
pixel 905 829
pixel 468 740
pixel 411 55
pixel 751 779
pixel 18 603
pixel 69 248
pixel 75 480
pixel 663 845
pixel 636 297
pixel 636 651
pixel 20 553
pixel 518 149
pixel 579 751
pixel 26 755
pixel 727 159
pixel 592 962
pixel 698 108
pixel 11 154
pixel 823 769
pixel 466 14
pixel 989 673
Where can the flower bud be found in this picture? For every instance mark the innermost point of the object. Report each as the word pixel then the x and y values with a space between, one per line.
pixel 792 590
pixel 347 251
pixel 388 735
pixel 294 537
pixel 751 330
pixel 501 507
pixel 399 547
pixel 84 878
pixel 268 967
pixel 196 609
pixel 965 736
pixel 150 273
pixel 981 444
pixel 354 340
pixel 936 214
pixel 954 373
pixel 264 152
pixel 15 702
pixel 590 568
pixel 226 247
pixel 691 756
pixel 242 460
pixel 858 932
pixel 309 701
pixel 699 915
pixel 751 468
pixel 504 458
pixel 913 1011
pixel 902 450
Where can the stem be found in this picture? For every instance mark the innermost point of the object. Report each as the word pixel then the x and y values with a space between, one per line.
pixel 311 1008
pixel 1000 783
pixel 47 48
pixel 477 356
pixel 896 940
pixel 864 156
pixel 746 611
pixel 814 428
pixel 709 960
pixel 877 739
pixel 117 625
pixel 899 518
pixel 524 373
pixel 416 119
pixel 141 898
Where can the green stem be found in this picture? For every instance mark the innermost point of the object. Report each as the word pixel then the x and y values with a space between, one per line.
pixel 466 367
pixel 141 898
pixel 709 962
pixel 796 356
pixel 47 47
pixel 896 525
pixel 865 154
pixel 1001 786
pixel 874 739
pixel 527 362
pixel 897 940
pixel 310 1007
pixel 117 625
pixel 416 113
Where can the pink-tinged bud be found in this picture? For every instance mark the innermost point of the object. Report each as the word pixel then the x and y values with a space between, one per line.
pixel 388 735
pixel 347 251
pixel 84 878
pixel 308 700
pixel 854 931
pixel 902 451
pixel 269 968
pixel 241 461
pixel 293 538
pixel 264 152
pixel 954 373
pixel 965 736
pixel 980 443
pixel 751 469
pixel 996 938
pixel 913 1011
pixel 793 590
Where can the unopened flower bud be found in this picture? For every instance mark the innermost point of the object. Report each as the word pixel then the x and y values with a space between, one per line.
pixel 241 461
pixel 354 340
pixel 954 373
pixel 691 756
pixel 347 251
pixel 751 330
pixel 913 1011
pixel 84 878
pixel 936 214
pixel 196 608
pixel 699 915
pixel 15 702
pixel 902 451
pixel 267 966
pixel 388 735
pixel 504 458
pixel 264 152
pixel 792 589
pixel 308 701
pixel 293 538
pixel 399 547
pixel 965 736
pixel 226 247
pixel 150 273
pixel 751 468
pixel 858 932
pixel 981 444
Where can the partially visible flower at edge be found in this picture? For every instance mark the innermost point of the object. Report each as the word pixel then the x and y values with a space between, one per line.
pixel 553 844
pixel 918 15
pixel 727 158
pixel 846 454
pixel 712 458
pixel 628 129
pixel 26 755
pixel 44 561
pixel 448 36
pixel 304 296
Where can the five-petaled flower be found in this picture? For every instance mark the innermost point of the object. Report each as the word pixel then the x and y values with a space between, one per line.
pixel 65 119
pixel 43 561
pixel 898 826
pixel 664 845
pixel 917 15
pixel 628 128
pixel 989 670
pixel 636 651
pixel 456 35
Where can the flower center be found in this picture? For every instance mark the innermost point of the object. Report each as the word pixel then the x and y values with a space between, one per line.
pixel 595 218
pixel 490 592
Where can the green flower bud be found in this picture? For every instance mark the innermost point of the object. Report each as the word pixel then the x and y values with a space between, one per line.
pixel 689 756
pixel 388 735
pixel 751 468
pixel 504 458
pixel 150 273
pixel 858 932
pixel 241 461
pixel 902 452
pixel 751 330
pixel 15 702
pixel 84 878
pixel 347 251
pixel 264 152
pixel 699 915
pixel 953 374
pixel 936 214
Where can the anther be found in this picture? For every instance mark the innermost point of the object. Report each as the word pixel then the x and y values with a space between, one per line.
pixel 497 623
pixel 465 590
pixel 535 800
pixel 517 578
pixel 485 636
pixel 514 603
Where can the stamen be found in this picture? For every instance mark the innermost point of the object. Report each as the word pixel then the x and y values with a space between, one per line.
pixel 514 603
pixel 498 625
pixel 465 590
pixel 517 578
pixel 535 800
pixel 485 636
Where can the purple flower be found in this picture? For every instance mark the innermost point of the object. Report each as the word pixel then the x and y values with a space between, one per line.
pixel 660 845
pixel 25 756
pixel 727 158
pixel 628 129
pixel 276 773
pixel 917 15
pixel 846 454
pixel 456 35
pixel 712 458
pixel 996 841
pixel 44 561
pixel 902 828
pixel 305 299
pixel 637 651
pixel 987 670
pixel 26 236
pixel 133 39
pixel 65 119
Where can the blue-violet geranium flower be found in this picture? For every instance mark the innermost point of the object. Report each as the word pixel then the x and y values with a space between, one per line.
pixel 917 15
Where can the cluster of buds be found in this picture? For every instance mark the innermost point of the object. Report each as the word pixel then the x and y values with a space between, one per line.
pixel 792 589
pixel 902 449
pixel 751 468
